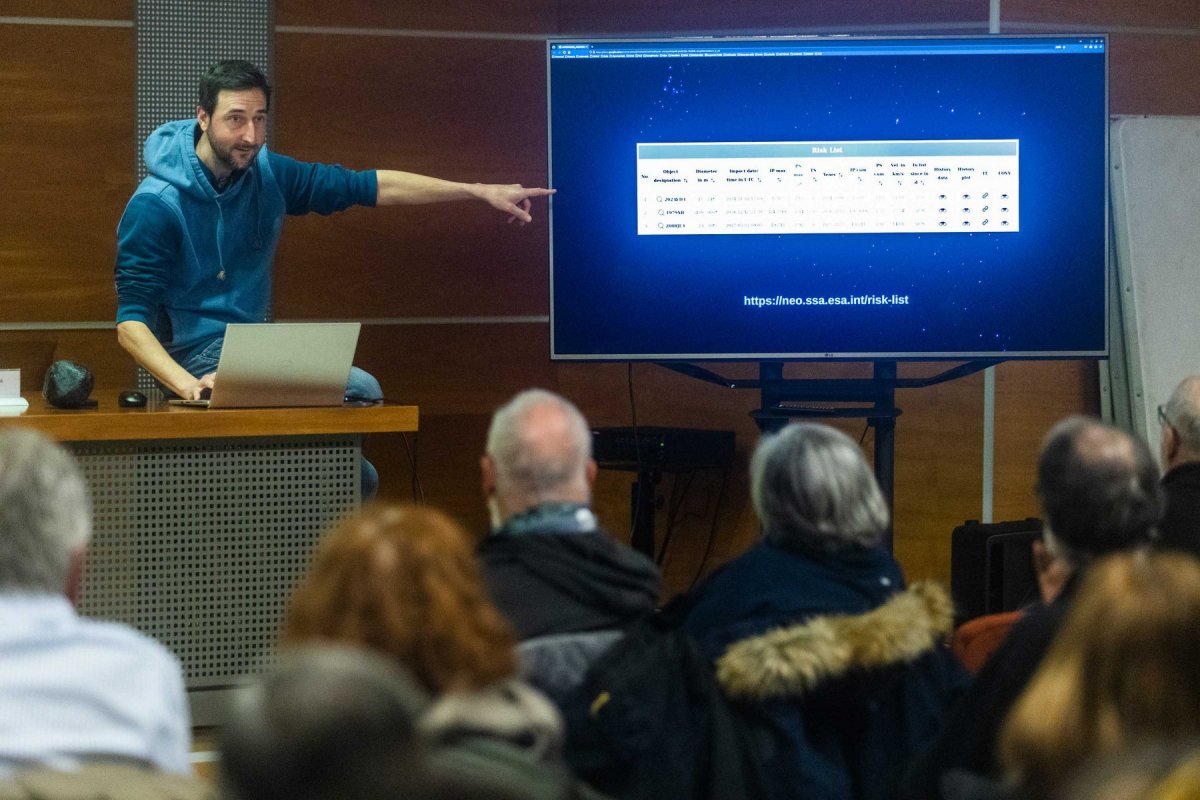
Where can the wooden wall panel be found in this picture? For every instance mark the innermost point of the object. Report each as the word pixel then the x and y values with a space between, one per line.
pixel 468 110
pixel 67 156
pixel 69 9
pixel 476 107
pixel 537 17
pixel 456 369
pixel 939 468
pixel 446 261
pixel 447 449
pixel 33 351
pixel 1154 74
pixel 664 16
pixel 1030 398
pixel 1154 48
pixel 1102 15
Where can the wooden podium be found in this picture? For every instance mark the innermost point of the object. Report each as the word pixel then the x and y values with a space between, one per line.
pixel 205 519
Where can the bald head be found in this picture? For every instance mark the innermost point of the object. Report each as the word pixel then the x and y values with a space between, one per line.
pixel 1098 486
pixel 1181 432
pixel 539 450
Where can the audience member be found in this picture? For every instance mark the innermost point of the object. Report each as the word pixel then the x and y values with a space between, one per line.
pixel 567 586
pixel 1180 418
pixel 328 722
pixel 1099 493
pixel 72 690
pixel 976 640
pixel 325 722
pixel 814 625
pixel 1147 771
pixel 1122 670
pixel 403 580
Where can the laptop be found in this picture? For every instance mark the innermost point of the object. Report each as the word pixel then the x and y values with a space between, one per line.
pixel 282 364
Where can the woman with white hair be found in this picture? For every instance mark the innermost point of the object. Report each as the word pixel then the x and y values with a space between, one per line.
pixel 814 628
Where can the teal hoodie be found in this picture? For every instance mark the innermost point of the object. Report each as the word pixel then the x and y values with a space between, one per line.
pixel 191 259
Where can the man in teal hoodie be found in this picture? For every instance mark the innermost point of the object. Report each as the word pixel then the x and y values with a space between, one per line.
pixel 196 242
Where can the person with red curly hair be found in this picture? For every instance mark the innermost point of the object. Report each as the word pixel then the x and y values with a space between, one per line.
pixel 403 581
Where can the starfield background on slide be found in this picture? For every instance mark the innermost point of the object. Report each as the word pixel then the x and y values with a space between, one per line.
pixel 846 197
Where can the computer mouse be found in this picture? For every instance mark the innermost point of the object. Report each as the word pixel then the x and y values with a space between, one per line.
pixel 131 400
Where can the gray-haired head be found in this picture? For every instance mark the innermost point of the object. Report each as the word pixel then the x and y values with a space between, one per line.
pixel 45 513
pixel 1098 488
pixel 328 722
pixel 813 491
pixel 323 720
pixel 1183 417
pixel 541 450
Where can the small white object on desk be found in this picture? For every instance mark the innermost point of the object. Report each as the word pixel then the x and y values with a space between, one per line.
pixel 11 402
pixel 10 384
pixel 12 406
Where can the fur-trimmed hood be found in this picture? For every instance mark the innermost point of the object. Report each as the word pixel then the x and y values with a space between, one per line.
pixel 793 661
pixel 511 711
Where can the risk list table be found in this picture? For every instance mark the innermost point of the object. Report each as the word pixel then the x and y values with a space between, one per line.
pixel 901 186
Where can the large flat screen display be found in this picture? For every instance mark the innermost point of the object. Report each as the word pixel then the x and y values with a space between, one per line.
pixel 811 198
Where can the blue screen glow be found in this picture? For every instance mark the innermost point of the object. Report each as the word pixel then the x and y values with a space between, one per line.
pixel 828 198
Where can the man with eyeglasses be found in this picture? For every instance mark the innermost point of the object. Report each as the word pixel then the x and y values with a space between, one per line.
pixel 1180 420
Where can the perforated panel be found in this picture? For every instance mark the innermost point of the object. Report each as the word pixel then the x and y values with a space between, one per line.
pixel 145 383
pixel 199 544
pixel 178 39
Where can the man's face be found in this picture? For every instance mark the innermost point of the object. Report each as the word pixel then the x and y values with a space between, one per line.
pixel 237 127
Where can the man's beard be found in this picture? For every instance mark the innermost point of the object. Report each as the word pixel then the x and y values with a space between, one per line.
pixel 225 155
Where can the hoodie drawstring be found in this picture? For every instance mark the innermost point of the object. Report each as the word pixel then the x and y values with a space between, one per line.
pixel 220 237
pixel 258 220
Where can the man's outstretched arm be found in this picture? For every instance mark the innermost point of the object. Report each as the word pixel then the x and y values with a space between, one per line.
pixel 407 188
pixel 141 343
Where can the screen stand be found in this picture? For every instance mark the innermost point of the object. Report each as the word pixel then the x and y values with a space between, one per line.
pixel 785 399
pixel 642 500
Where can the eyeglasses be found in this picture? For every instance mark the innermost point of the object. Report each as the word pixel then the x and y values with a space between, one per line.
pixel 1162 416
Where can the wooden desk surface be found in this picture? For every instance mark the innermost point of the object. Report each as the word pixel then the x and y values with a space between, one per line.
pixel 109 423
